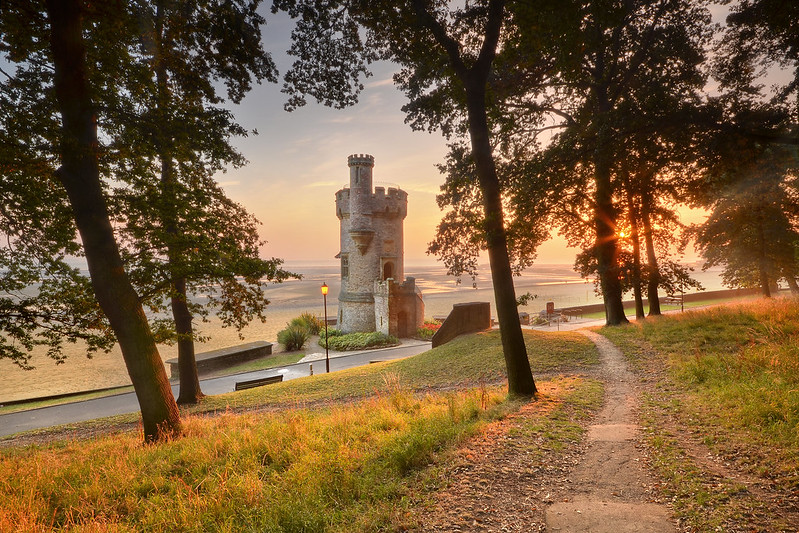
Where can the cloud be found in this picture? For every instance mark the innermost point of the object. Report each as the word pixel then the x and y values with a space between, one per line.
pixel 340 120
pixel 322 184
pixel 380 83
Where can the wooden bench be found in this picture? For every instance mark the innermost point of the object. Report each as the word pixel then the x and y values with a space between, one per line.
pixel 672 300
pixel 573 311
pixel 252 383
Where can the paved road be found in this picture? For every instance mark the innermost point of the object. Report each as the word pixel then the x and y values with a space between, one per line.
pixel 126 403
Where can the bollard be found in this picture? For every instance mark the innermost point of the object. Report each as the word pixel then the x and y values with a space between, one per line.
pixel 310 367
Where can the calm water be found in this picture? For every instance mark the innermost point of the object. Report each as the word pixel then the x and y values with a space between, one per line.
pixel 558 283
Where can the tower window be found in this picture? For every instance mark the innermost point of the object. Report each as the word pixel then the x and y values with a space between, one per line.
pixel 345 266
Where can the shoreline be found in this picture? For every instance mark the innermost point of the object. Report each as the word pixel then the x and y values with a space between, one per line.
pixel 558 283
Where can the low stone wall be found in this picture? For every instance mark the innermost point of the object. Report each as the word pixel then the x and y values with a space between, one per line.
pixel 693 297
pixel 464 318
pixel 224 357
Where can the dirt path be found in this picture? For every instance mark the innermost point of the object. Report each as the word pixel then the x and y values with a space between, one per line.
pixel 611 491
pixel 499 484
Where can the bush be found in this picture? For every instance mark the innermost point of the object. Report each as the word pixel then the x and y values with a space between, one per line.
pixel 310 322
pixel 356 341
pixel 293 337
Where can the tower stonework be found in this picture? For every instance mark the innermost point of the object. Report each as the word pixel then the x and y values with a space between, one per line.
pixel 372 256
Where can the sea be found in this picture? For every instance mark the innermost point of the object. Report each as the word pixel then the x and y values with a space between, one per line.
pixel 287 300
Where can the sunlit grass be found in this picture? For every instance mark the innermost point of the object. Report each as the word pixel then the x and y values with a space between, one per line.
pixel 360 465
pixel 353 467
pixel 467 360
pixel 732 384
pixel 743 359
pixel 630 309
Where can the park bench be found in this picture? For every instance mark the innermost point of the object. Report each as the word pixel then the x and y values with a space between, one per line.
pixel 260 382
pixel 672 300
pixel 573 312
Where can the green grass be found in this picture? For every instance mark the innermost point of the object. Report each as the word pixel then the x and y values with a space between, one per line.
pixel 466 361
pixel 354 466
pixel 732 383
pixel 272 361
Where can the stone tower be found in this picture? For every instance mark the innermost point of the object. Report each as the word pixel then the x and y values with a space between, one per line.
pixel 372 256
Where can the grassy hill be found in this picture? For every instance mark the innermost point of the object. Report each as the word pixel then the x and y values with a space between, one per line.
pixel 722 411
pixel 370 449
pixel 358 450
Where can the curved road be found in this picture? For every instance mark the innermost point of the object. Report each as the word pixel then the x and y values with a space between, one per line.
pixel 126 403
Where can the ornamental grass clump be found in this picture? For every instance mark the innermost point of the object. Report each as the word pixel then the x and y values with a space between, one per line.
pixel 310 322
pixel 299 330
pixel 293 337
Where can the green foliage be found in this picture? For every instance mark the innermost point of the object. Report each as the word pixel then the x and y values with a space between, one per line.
pixel 310 322
pixel 732 378
pixel 429 329
pixel 359 466
pixel 293 337
pixel 336 340
pixel 752 231
pixel 45 301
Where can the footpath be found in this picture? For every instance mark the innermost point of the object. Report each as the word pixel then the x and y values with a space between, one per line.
pixel 610 486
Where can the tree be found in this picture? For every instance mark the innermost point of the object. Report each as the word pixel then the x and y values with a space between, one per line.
pixel 446 55
pixel 763 32
pixel 44 302
pixel 80 175
pixel 752 230
pixel 182 235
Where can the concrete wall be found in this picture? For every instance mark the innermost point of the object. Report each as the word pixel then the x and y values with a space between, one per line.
pixel 693 297
pixel 464 318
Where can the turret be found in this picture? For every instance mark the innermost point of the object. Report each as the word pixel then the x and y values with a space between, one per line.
pixel 371 247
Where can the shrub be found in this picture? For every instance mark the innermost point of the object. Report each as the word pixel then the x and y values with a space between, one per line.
pixel 293 337
pixel 429 329
pixel 356 341
pixel 310 322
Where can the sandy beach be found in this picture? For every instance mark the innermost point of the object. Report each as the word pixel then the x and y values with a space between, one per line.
pixel 556 283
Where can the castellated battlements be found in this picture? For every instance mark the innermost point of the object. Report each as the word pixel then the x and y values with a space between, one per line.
pixel 362 160
pixel 381 203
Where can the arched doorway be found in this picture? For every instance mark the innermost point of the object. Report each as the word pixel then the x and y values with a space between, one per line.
pixel 388 270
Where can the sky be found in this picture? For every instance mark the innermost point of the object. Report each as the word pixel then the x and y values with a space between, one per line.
pixel 299 160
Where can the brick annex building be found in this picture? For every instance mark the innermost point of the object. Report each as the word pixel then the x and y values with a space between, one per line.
pixel 373 297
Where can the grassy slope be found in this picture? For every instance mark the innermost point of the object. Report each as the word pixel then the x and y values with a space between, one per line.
pixel 732 384
pixel 362 465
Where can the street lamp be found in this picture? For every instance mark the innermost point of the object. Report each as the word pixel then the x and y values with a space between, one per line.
pixel 327 354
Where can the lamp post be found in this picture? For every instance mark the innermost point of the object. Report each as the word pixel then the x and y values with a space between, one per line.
pixel 327 354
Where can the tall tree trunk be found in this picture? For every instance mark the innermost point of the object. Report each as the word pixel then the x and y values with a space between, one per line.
pixel 81 178
pixel 634 235
pixel 190 392
pixel 520 376
pixel 653 271
pixel 606 246
pixel 792 284
pixel 606 239
pixel 475 79
pixel 762 263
